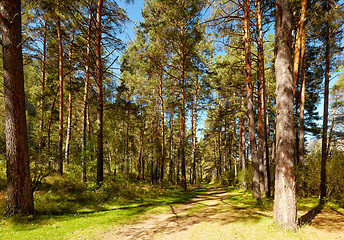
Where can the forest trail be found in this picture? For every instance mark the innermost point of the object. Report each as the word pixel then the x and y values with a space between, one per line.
pixel 218 214
pixel 176 223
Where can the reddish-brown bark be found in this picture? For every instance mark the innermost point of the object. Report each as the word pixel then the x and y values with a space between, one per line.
pixel 19 185
pixel 100 157
pixel 250 113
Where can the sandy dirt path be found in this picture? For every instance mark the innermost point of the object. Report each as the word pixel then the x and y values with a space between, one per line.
pixel 175 223
pixel 213 216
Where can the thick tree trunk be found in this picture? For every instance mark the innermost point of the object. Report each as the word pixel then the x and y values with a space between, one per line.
pixel 250 113
pixel 100 157
pixel 70 102
pixel 325 114
pixel 19 185
pixel 285 211
pixel 59 35
pixel 85 106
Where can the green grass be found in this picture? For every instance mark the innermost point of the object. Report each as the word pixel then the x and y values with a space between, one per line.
pixel 67 210
pixel 70 210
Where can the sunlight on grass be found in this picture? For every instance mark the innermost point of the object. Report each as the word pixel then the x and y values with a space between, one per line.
pixel 67 210
pixel 74 211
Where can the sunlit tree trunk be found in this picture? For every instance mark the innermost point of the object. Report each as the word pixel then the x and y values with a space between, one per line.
pixel 298 43
pixel 263 158
pixel 285 211
pixel 302 98
pixel 41 125
pixel 100 157
pixel 19 186
pixel 61 76
pixel 70 102
pixel 250 113
pixel 85 103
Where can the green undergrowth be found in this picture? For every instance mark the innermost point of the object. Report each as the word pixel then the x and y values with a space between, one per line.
pixel 69 210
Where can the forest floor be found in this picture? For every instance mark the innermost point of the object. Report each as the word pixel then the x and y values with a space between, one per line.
pixel 67 210
pixel 221 214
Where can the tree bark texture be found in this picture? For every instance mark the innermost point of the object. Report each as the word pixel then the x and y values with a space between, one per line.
pixel 285 211
pixel 250 113
pixel 302 103
pixel 19 185
pixel 100 157
pixel 263 156
pixel 298 43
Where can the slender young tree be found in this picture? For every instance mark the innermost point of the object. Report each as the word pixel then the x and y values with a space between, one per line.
pixel 19 185
pixel 61 83
pixel 263 157
pixel 285 211
pixel 70 100
pixel 86 89
pixel 324 150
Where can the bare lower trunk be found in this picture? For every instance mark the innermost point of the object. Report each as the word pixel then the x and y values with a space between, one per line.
pixel 285 211
pixel 250 113
pixel 261 102
pixel 100 156
pixel 19 186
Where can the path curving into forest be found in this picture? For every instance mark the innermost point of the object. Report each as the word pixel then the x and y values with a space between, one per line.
pixel 218 214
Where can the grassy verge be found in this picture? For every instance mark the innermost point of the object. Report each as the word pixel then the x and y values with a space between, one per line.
pixel 69 210
pixel 237 216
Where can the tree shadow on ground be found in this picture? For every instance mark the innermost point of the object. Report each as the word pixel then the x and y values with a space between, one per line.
pixel 310 215
pixel 216 206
